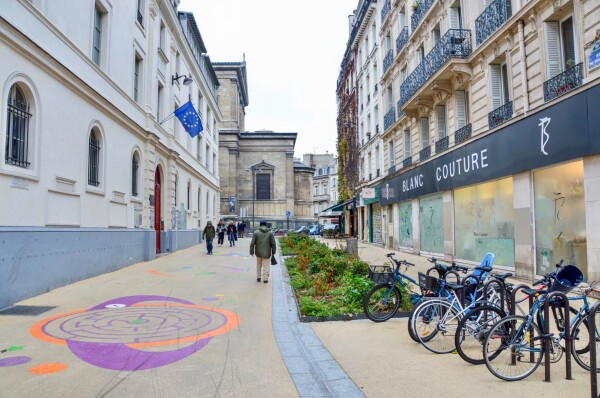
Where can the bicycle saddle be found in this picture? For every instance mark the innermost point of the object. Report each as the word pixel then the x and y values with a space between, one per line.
pixel 484 268
pixel 502 276
pixel 533 292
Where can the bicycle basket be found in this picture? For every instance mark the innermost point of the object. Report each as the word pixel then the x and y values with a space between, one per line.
pixel 427 282
pixel 380 273
pixel 566 279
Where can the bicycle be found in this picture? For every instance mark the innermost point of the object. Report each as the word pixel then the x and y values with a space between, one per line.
pixel 513 348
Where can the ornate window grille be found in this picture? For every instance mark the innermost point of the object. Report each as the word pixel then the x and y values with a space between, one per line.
pixel 94 160
pixel 401 40
pixel 419 13
pixel 385 11
pixel 407 161
pixel 17 128
pixel 491 19
pixel 388 60
pixel 442 144
pixel 500 115
pixel 563 82
pixel 389 119
pixel 456 43
pixel 425 153
pixel 463 134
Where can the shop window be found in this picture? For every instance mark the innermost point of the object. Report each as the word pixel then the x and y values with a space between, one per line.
pixel 406 227
pixel 560 229
pixel 484 222
pixel 431 222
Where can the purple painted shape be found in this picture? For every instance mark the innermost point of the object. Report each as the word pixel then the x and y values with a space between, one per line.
pixel 210 299
pixel 130 300
pixel 121 357
pixel 13 361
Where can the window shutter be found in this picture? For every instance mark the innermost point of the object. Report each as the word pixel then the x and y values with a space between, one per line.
pixel 461 109
pixel 568 41
pixel 495 91
pixel 441 121
pixel 454 18
pixel 406 144
pixel 553 64
pixel 425 131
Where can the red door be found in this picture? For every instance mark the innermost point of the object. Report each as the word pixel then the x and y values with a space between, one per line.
pixel 157 211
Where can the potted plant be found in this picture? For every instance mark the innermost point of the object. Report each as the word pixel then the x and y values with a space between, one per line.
pixel 570 63
pixel 415 5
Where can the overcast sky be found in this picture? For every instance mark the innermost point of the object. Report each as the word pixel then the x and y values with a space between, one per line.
pixel 293 54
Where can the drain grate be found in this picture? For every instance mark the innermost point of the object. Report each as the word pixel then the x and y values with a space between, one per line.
pixel 26 310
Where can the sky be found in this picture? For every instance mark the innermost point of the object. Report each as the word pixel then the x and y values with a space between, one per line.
pixel 293 54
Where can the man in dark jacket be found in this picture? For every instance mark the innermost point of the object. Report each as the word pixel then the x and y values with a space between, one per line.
pixel 264 246
pixel 209 235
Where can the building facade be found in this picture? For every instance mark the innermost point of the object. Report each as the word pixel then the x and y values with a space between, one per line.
pixel 491 138
pixel 94 170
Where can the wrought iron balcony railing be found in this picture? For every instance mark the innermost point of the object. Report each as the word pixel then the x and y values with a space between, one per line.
pixel 491 19
pixel 425 153
pixel 456 43
pixel 419 13
pixel 500 115
pixel 392 169
pixel 463 134
pixel 563 83
pixel 389 119
pixel 442 144
pixel 375 89
pixel 407 161
pixel 401 40
pixel 387 7
pixel 388 60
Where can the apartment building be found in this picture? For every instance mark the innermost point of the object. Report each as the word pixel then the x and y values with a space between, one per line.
pixel 491 139
pixel 96 174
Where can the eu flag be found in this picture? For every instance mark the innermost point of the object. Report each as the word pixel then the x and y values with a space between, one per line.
pixel 190 119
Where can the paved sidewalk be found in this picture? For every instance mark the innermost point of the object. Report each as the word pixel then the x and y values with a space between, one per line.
pixel 383 361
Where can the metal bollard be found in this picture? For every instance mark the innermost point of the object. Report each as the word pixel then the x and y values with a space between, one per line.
pixel 566 336
pixel 592 348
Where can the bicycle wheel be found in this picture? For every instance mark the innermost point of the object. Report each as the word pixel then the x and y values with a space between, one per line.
pixel 411 319
pixel 472 329
pixel 580 345
pixel 382 302
pixel 513 348
pixel 435 324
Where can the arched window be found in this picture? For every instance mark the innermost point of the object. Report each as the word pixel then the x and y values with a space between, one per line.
pixel 17 128
pixel 94 158
pixel 135 165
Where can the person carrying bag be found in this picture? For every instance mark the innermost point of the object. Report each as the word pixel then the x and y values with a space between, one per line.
pixel 264 246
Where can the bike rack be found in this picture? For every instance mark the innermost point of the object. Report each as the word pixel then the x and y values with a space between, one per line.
pixel 567 334
pixel 513 310
pixel 592 348
pixel 502 290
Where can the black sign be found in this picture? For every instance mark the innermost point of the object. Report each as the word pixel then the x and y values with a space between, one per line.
pixel 565 131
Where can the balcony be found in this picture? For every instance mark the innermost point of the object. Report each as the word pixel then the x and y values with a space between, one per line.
pixel 563 83
pixel 456 43
pixel 500 115
pixel 419 13
pixel 389 119
pixel 400 112
pixel 387 7
pixel 463 134
pixel 401 40
pixel 491 19
pixel 388 60
pixel 407 161
pixel 425 153
pixel 442 144
pixel 392 169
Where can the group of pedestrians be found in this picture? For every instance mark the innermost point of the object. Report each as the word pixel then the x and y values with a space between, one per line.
pixel 262 245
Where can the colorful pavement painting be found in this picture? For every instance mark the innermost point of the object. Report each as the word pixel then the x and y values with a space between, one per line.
pixel 136 332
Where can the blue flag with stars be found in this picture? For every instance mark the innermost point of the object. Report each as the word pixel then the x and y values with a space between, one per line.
pixel 190 119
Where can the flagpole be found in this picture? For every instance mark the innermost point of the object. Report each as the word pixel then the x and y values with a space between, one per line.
pixel 168 117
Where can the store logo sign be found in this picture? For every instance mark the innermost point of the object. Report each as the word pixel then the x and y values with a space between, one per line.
pixel 544 122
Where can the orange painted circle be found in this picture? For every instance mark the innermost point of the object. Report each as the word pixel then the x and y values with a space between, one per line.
pixel 47 368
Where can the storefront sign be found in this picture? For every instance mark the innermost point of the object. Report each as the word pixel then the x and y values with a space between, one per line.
pixel 565 131
pixel 594 59
pixel 368 193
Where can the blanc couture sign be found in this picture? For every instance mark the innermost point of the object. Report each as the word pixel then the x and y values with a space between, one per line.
pixel 565 131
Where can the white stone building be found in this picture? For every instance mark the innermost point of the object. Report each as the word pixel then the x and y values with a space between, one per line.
pixel 88 173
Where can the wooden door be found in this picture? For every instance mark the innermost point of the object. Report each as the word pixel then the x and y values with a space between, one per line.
pixel 157 210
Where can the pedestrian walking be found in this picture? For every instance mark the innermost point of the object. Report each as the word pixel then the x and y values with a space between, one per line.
pixel 241 229
pixel 221 229
pixel 231 233
pixel 263 245
pixel 209 235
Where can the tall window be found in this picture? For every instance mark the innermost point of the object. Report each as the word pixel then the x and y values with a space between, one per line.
pixel 189 195
pixel 214 163
pixel 440 111
pixel 96 51
pixel 462 109
pixel 135 165
pixel 454 16
pixel 175 190
pixel 94 159
pixel 162 37
pixel 499 85
pixel 17 128
pixel 263 186
pixel 407 149
pixel 199 192
pixel 560 46
pixel 206 159
pixel 424 132
pixel 140 14
pixel 136 78
pixel 199 147
pixel 391 155
pixel 159 102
